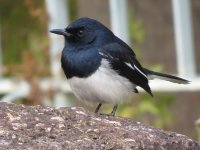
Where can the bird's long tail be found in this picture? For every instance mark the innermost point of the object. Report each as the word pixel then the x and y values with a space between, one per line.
pixel 162 76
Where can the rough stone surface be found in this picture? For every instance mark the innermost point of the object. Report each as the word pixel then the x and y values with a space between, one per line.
pixel 37 127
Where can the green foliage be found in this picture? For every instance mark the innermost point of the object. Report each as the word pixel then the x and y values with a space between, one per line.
pixel 72 9
pixel 137 33
pixel 25 43
pixel 198 129
pixel 155 111
pixel 24 36
pixel 19 20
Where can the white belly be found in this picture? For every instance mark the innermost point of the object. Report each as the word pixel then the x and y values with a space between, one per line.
pixel 104 86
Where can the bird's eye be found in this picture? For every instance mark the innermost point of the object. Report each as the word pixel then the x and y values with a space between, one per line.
pixel 80 33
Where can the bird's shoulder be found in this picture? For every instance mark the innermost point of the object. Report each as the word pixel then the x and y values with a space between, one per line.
pixel 116 49
pixel 116 52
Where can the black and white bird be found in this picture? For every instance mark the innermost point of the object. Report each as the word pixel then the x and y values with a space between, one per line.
pixel 100 67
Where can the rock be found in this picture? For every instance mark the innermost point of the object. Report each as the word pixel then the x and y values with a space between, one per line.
pixel 38 127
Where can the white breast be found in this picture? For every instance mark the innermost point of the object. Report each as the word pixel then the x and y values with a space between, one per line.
pixel 104 86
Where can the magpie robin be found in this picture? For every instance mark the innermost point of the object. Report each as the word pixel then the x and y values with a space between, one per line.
pixel 100 67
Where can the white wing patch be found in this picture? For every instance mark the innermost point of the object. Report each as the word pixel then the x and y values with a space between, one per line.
pixel 128 64
pixel 135 67
pixel 102 54
pixel 107 55
pixel 140 71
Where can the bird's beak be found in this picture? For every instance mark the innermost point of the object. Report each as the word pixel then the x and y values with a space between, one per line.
pixel 60 32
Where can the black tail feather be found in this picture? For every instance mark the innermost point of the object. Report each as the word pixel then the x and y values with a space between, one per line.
pixel 167 77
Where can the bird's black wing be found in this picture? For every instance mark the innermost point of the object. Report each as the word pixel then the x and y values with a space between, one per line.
pixel 123 60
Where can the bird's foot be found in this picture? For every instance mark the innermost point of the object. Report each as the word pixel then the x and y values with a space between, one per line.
pixel 103 114
pixel 111 114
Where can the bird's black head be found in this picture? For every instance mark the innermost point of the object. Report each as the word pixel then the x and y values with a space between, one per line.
pixel 84 31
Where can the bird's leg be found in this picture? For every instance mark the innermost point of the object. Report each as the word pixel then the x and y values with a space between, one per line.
pixel 98 107
pixel 114 110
